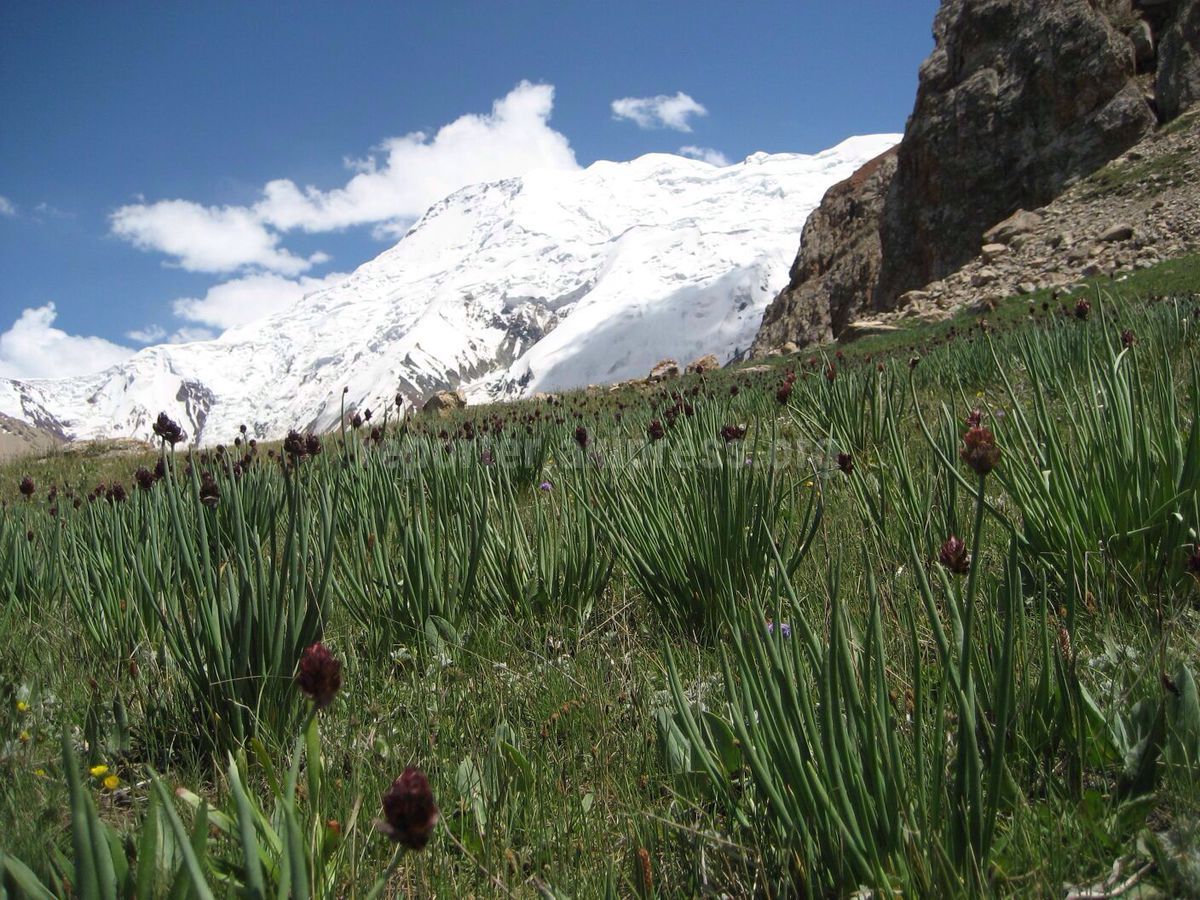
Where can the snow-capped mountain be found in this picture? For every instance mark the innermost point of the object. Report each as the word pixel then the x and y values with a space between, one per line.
pixel 549 281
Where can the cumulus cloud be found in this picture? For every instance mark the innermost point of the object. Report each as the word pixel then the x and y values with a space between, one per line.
pixel 390 188
pixel 706 154
pixel 33 348
pixel 151 334
pixel 7 208
pixel 406 175
pixel 661 111
pixel 245 299
pixel 206 238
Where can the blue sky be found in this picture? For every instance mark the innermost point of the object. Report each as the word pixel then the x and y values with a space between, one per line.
pixel 156 158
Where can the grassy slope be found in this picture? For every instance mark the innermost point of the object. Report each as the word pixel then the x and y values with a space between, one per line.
pixel 583 704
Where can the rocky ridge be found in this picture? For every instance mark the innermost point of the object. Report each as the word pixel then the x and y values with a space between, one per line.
pixel 1141 209
pixel 1019 100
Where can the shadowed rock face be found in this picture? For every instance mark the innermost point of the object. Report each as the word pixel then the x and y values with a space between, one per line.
pixel 838 262
pixel 1018 99
pixel 1177 82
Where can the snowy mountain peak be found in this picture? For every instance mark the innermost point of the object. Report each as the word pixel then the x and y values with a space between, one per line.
pixel 553 280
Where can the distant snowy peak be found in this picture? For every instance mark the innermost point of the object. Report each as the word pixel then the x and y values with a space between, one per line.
pixel 554 280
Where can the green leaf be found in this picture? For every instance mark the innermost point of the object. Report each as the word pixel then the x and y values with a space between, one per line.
pixel 254 885
pixel 24 878
pixel 191 864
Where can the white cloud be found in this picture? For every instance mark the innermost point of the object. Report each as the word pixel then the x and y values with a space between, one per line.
pixel 245 299
pixel 7 208
pixel 706 154
pixel 33 348
pixel 207 239
pixel 662 111
pixel 390 188
pixel 410 173
pixel 151 334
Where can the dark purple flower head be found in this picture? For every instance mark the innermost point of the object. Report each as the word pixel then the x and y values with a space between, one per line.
pixel 409 810
pixel 830 372
pixel 954 556
pixel 581 437
pixel 168 430
pixel 1127 338
pixel 115 493
pixel 655 430
pixel 732 433
pixel 979 450
pixel 242 429
pixel 975 418
pixel 27 487
pixel 356 421
pixel 293 445
pixel 366 415
pixel 210 493
pixel 545 486
pixel 784 394
pixel 312 444
pixel 1082 310
pixel 845 462
pixel 319 675
pixel 145 478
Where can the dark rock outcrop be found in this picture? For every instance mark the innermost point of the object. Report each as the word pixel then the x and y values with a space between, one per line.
pixel 1177 84
pixel 1018 100
pixel 838 262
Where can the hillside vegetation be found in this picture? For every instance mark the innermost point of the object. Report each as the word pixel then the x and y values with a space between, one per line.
pixel 920 616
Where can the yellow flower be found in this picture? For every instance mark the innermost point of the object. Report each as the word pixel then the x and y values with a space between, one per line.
pixel 40 773
pixel 22 706
pixel 23 737
pixel 111 783
pixel 98 771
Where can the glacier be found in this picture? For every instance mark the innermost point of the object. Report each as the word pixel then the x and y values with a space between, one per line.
pixel 546 282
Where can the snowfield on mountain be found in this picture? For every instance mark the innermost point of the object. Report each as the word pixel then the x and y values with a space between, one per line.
pixel 550 281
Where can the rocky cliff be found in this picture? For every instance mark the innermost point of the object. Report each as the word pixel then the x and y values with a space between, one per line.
pixel 1018 100
pixel 838 261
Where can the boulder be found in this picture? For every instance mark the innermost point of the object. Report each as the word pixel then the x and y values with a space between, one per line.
pixel 865 328
pixel 983 276
pixel 664 369
pixel 445 401
pixel 707 363
pixel 1020 222
pixel 1119 232
pixel 992 252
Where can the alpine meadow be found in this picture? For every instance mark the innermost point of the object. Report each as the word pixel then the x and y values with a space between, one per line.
pixel 812 524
